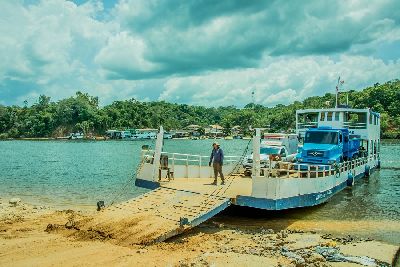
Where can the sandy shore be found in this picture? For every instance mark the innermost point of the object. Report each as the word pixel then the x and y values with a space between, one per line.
pixel 38 236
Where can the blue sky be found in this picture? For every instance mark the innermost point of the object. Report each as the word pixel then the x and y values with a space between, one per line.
pixel 199 52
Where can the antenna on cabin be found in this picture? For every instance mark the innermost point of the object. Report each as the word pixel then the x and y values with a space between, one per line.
pixel 339 83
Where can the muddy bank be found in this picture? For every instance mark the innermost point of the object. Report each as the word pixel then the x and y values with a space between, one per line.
pixel 36 236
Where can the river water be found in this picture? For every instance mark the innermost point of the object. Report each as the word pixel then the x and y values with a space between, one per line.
pixel 71 174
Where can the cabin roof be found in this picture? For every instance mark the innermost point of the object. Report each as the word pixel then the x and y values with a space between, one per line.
pixel 335 110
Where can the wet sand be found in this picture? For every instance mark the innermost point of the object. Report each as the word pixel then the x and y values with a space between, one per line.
pixel 39 236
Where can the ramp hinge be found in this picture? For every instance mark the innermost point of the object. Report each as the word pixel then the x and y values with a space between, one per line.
pixel 183 221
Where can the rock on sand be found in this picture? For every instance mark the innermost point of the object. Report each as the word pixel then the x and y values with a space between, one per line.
pixel 14 201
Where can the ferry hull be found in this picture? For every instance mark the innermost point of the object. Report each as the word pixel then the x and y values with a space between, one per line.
pixel 307 200
pixel 299 201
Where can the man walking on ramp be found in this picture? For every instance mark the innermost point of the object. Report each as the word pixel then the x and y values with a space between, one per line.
pixel 217 159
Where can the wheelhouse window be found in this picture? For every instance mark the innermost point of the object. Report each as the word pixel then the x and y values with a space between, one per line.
pixel 322 117
pixel 355 120
pixel 337 116
pixel 322 137
pixel 329 116
pixel 307 120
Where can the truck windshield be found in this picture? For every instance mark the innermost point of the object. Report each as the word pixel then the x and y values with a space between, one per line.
pixel 322 137
pixel 269 150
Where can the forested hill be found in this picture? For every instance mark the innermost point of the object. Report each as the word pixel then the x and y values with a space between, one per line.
pixel 82 113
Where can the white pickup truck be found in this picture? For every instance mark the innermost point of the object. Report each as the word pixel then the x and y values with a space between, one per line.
pixel 281 147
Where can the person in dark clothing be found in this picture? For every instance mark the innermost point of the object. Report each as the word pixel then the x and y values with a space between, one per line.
pixel 217 160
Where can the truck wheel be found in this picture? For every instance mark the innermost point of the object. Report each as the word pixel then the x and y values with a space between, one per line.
pixel 367 171
pixel 350 179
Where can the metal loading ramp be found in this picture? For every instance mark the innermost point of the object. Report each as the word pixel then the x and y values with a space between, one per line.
pixel 156 215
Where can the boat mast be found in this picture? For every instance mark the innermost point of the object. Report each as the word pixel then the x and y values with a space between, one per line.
pixel 339 83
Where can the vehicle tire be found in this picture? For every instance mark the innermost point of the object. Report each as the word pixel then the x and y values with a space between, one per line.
pixel 367 171
pixel 350 179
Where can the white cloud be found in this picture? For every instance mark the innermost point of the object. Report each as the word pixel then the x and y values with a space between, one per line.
pixel 125 55
pixel 49 44
pixel 179 38
pixel 280 81
pixel 190 52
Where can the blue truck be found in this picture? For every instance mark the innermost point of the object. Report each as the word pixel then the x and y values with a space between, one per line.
pixel 326 145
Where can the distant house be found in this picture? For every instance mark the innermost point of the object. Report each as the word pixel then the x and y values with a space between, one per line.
pixel 214 130
pixel 193 130
pixel 117 134
pixel 193 127
pixel 236 130
pixel 180 133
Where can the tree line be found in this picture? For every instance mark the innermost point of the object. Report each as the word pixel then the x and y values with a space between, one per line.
pixel 82 112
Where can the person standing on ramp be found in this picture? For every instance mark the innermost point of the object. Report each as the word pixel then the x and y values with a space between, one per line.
pixel 217 160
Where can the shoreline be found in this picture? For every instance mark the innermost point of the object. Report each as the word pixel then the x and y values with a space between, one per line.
pixel 100 138
pixel 32 235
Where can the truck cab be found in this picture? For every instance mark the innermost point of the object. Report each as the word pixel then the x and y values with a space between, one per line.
pixel 325 145
pixel 282 146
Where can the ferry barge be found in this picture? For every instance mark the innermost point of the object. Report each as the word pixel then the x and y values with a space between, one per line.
pixel 183 195
pixel 283 185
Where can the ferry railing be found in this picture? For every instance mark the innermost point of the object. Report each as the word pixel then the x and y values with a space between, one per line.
pixel 303 125
pixel 187 159
pixel 303 170
pixel 355 125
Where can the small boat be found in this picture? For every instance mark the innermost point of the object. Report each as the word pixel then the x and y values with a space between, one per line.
pixel 75 136
pixel 167 135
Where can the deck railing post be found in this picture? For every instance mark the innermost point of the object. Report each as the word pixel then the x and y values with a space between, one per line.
pixel 173 162
pixel 187 166
pixel 199 166
pixel 287 170
pixel 157 154
pixel 298 171
pixel 256 153
pixel 308 171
